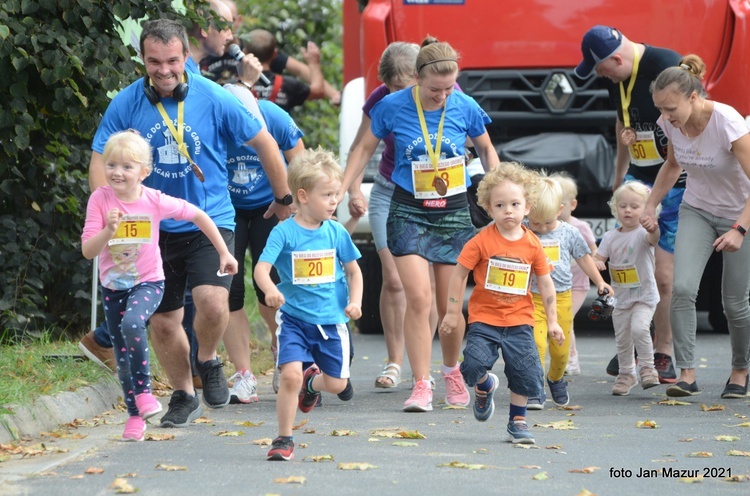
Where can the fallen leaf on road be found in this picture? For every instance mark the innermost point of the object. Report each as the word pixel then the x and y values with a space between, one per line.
pixel 203 420
pixel 320 458
pixel 454 407
pixel 673 403
pixel 526 446
pixel 554 446
pixel 646 424
pixel 738 478
pixel 94 470
pixel 356 466
pixel 729 439
pixel 541 476
pixel 79 476
pixel 341 433
pixel 248 423
pixel 691 480
pixel 404 443
pixel 266 441
pixel 743 424
pixel 373 440
pixel 573 408
pixel 712 408
pixel 562 425
pixel 230 433
pixel 411 435
pixel 587 470
pixel 159 437
pixel 468 466
pixel 585 492
pixel 535 467
pixel 700 454
pixel 170 468
pixel 302 445
pixel 738 453
pixel 386 434
pixel 481 451
pixel 121 486
pixel 294 479
pixel 129 475
pixel 309 431
pixel 296 427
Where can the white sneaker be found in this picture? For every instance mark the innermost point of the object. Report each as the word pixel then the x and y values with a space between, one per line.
pixel 245 388
pixel 573 367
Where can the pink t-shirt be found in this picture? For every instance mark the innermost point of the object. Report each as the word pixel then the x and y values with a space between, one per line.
pixel 133 255
pixel 580 279
pixel 716 182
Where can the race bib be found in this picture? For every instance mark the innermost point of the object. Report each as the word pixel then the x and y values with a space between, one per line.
pixel 552 250
pixel 313 267
pixel 644 152
pixel 450 170
pixel 624 276
pixel 507 277
pixel 133 229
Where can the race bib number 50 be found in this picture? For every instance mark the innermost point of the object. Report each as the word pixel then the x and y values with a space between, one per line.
pixel 313 267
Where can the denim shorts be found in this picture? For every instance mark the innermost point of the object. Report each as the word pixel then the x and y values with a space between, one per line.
pixel 380 202
pixel 670 209
pixel 522 366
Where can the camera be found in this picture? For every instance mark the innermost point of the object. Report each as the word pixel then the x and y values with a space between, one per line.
pixel 602 306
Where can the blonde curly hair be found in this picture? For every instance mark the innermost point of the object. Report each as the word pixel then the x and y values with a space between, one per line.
pixel 514 172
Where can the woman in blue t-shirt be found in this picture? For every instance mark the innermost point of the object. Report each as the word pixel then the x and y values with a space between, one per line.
pixel 429 219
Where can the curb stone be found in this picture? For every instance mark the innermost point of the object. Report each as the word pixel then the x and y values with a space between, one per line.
pixel 48 412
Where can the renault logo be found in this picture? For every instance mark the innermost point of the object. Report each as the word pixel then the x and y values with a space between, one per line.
pixel 558 91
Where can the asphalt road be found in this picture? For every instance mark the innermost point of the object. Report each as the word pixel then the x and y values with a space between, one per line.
pixel 604 440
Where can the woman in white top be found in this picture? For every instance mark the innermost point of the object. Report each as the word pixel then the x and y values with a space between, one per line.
pixel 710 141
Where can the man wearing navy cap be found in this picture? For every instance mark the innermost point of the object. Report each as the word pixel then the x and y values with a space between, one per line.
pixel 641 151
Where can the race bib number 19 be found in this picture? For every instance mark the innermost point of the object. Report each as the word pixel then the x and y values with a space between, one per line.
pixel 133 229
pixel 314 267
pixel 507 277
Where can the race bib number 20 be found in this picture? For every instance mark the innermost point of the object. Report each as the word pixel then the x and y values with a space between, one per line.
pixel 314 266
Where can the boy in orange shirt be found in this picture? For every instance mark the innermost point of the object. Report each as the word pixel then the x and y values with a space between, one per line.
pixel 501 312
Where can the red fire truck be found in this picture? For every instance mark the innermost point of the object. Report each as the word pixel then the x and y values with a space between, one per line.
pixel 517 60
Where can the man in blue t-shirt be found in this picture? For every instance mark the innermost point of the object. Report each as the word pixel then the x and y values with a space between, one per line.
pixel 189 122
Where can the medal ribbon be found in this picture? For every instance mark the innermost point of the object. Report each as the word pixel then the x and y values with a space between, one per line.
pixel 179 134
pixel 625 97
pixel 433 154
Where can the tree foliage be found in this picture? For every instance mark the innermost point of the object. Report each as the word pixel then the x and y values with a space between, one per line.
pixel 58 61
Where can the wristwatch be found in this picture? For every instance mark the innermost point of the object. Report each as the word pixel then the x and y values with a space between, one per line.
pixel 286 201
pixel 741 229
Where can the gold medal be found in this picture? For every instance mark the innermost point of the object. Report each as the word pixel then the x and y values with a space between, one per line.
pixel 628 136
pixel 440 185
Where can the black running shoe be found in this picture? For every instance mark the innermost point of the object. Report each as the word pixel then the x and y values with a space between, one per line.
pixel 183 409
pixel 308 400
pixel 665 368
pixel 348 391
pixel 215 389
pixel 282 449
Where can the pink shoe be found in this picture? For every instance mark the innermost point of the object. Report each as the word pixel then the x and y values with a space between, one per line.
pixel 135 427
pixel 147 405
pixel 456 393
pixel 420 399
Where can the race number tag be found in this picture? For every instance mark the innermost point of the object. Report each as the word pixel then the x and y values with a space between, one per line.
pixel 552 250
pixel 133 229
pixel 624 276
pixel 313 267
pixel 507 277
pixel 450 170
pixel 643 152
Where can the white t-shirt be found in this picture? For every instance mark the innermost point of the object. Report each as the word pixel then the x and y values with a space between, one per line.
pixel 626 250
pixel 716 182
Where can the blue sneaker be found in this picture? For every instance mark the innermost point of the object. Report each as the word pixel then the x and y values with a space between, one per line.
pixel 559 392
pixel 484 404
pixel 519 432
pixel 536 402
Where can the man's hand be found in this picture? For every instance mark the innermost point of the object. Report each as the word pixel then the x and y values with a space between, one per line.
pixel 281 211
pixel 249 68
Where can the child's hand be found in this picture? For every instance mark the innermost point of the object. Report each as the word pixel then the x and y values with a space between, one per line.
pixel 228 264
pixel 353 311
pixel 449 324
pixel 555 332
pixel 601 288
pixel 600 266
pixel 649 220
pixel 274 298
pixel 114 216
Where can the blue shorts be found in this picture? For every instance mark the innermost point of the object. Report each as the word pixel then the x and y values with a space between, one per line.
pixel 325 345
pixel 522 366
pixel 377 211
pixel 670 209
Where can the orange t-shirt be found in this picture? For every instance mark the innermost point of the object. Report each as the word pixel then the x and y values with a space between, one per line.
pixel 500 307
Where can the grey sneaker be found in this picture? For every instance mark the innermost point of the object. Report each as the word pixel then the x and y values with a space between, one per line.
pixel 182 410
pixel 623 384
pixel 649 378
pixel 536 402
pixel 519 432
pixel 484 403
pixel 215 389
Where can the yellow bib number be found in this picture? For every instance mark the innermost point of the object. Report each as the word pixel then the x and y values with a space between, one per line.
pixel 314 267
pixel 133 229
pixel 507 277
pixel 643 152
pixel 552 250
pixel 450 170
pixel 624 276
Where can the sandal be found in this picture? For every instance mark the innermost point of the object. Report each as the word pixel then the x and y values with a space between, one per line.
pixel 388 373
